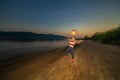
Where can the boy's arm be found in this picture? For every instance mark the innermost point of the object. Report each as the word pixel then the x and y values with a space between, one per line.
pixel 77 42
pixel 68 38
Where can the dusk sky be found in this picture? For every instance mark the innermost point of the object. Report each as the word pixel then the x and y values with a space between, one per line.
pixel 59 16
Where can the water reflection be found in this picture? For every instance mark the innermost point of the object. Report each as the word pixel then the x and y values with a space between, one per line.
pixel 10 49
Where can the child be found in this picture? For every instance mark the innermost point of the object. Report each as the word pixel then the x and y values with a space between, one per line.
pixel 72 42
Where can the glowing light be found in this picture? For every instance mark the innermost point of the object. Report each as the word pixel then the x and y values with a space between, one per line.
pixel 74 32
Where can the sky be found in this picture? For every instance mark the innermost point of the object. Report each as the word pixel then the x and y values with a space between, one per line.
pixel 59 16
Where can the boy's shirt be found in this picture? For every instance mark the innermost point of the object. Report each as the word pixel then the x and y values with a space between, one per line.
pixel 72 43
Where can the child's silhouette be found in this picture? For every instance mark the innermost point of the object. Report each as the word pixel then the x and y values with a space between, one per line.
pixel 72 42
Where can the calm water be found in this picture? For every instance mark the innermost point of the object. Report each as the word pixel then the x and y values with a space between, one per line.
pixel 9 49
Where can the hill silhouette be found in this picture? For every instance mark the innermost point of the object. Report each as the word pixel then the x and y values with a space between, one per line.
pixel 28 36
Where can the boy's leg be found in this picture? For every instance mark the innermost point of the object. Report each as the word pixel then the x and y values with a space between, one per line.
pixel 68 49
pixel 66 54
pixel 72 53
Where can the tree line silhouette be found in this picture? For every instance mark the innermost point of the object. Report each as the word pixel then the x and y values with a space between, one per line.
pixel 111 36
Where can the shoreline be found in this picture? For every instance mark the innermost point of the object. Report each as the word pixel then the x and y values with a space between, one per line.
pixel 94 61
pixel 13 60
pixel 44 53
pixel 12 49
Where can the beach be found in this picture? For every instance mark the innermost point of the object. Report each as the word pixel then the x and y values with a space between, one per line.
pixel 93 61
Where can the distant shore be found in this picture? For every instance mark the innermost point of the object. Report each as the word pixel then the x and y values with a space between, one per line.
pixel 29 36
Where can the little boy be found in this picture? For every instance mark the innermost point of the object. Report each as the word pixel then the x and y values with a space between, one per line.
pixel 72 42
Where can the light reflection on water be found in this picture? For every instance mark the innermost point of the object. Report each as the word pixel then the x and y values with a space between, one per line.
pixel 9 49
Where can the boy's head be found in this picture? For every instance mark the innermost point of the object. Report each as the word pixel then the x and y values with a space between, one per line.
pixel 74 32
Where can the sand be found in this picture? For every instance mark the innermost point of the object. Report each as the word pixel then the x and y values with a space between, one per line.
pixel 93 61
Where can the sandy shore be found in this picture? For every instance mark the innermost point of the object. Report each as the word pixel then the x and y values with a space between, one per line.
pixel 93 61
